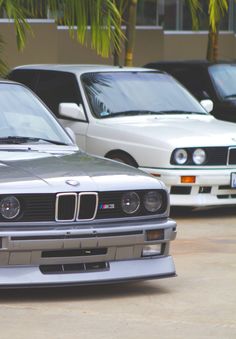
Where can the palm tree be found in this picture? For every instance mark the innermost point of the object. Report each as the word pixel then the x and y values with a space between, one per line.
pixel 102 16
pixel 216 9
pixel 130 32
pixel 128 11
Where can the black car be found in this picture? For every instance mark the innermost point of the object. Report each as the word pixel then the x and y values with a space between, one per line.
pixel 206 80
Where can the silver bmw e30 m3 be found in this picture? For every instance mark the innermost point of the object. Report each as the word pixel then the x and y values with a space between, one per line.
pixel 66 217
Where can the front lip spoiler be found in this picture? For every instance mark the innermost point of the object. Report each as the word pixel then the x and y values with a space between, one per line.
pixel 105 282
pixel 120 271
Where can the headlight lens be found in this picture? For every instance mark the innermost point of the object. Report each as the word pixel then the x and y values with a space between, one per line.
pixel 199 156
pixel 130 202
pixel 9 207
pixel 152 201
pixel 181 156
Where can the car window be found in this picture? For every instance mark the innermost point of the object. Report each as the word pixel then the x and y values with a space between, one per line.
pixel 26 77
pixel 111 93
pixel 22 114
pixel 194 80
pixel 224 79
pixel 55 87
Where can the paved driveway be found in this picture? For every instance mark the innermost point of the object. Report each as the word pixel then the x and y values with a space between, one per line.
pixel 199 303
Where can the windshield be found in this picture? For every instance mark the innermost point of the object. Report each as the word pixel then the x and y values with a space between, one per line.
pixel 24 118
pixel 135 93
pixel 224 78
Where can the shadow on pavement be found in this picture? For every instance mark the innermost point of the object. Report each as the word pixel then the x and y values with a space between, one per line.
pixel 91 292
pixel 204 212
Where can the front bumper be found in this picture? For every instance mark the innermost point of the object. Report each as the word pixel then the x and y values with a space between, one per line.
pixel 211 188
pixel 84 255
pixel 119 271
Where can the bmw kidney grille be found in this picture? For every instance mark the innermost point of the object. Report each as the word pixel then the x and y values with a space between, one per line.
pixel 73 206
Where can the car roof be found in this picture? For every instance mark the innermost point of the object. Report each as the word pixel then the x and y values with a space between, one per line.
pixel 80 68
pixel 6 81
pixel 202 63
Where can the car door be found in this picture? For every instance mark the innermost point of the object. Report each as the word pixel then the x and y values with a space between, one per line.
pixel 55 87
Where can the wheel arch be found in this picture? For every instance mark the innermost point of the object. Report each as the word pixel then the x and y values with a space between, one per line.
pixel 122 155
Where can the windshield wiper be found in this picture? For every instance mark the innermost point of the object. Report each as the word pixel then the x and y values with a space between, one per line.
pixel 143 112
pixel 180 112
pixel 23 140
pixel 132 113
pixel 230 96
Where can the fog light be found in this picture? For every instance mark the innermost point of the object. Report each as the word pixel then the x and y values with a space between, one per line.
pixel 151 250
pixel 188 179
pixel 155 235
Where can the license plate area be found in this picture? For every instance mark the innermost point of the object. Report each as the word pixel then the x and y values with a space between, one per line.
pixel 233 180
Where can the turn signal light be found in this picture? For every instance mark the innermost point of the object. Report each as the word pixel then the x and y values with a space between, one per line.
pixel 188 179
pixel 155 235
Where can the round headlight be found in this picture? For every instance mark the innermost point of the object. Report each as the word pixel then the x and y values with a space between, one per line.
pixel 180 156
pixel 152 201
pixel 199 156
pixel 9 207
pixel 130 202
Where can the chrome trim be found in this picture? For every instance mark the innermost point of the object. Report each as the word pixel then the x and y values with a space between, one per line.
pixel 229 149
pixel 56 206
pixel 96 205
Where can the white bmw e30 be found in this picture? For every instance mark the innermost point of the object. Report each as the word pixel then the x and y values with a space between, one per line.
pixel 146 119
pixel 68 218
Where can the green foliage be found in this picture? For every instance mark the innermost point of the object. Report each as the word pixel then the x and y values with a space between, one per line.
pixel 217 8
pixel 99 17
pixel 15 10
pixel 195 8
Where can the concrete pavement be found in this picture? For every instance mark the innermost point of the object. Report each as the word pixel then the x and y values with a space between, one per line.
pixel 199 303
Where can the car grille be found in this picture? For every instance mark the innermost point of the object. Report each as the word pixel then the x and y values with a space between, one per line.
pixel 75 206
pixel 71 206
pixel 74 268
pixel 232 156
pixel 221 156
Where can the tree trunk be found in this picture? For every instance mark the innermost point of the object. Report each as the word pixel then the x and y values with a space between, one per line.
pixel 213 44
pixel 130 32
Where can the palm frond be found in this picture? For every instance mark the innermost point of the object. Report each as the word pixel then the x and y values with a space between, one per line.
pixel 195 8
pixel 14 9
pixel 101 17
pixel 217 8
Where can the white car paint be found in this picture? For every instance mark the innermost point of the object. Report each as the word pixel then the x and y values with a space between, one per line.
pixel 151 139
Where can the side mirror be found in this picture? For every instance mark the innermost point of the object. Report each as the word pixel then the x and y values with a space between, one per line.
pixel 72 110
pixel 207 104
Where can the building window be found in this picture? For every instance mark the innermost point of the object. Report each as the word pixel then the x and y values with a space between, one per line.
pixel 175 15
pixel 157 13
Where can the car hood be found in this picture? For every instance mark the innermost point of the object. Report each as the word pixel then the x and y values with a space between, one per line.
pixel 38 172
pixel 174 130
